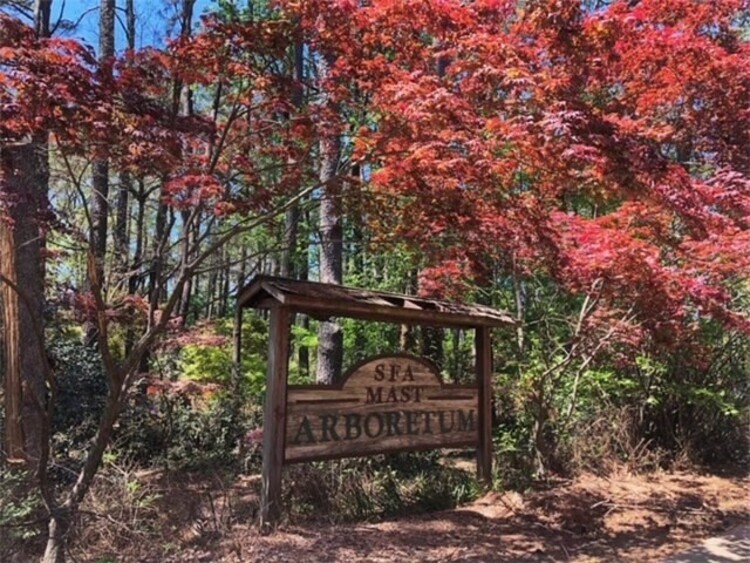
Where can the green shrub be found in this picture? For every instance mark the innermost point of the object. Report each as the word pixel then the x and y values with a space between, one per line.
pixel 174 431
pixel 81 391
pixel 20 512
pixel 213 363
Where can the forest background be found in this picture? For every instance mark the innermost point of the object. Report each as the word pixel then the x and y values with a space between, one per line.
pixel 582 165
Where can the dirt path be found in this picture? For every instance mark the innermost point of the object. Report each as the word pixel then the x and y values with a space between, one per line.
pixel 591 519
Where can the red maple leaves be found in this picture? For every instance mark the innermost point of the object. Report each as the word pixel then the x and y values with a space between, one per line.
pixel 603 146
pixel 607 144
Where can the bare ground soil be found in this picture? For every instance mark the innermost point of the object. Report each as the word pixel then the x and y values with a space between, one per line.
pixel 618 518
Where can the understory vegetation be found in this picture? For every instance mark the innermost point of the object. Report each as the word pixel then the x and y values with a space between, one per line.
pixel 658 414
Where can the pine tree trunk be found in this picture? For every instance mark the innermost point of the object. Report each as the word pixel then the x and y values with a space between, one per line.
pixel 100 179
pixel 330 337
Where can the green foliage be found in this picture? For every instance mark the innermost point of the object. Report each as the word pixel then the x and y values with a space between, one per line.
pixel 81 392
pixel 172 431
pixel 19 510
pixel 212 363
pixel 363 339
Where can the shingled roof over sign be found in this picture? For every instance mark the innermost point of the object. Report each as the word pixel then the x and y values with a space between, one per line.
pixel 321 300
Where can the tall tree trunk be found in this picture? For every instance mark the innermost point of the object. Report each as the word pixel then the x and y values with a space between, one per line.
pixel 122 204
pixel 121 231
pixel 330 337
pixel 130 23
pixel 42 12
pixel 292 215
pixel 225 282
pixel 211 293
pixel 187 291
pixel 358 267
pixel 24 177
pixel 184 106
pixel 140 235
pixel 100 180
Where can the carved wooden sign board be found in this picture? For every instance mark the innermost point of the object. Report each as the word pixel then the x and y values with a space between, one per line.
pixel 384 404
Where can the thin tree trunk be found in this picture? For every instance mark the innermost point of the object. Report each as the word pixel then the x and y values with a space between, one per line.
pixel 160 236
pixel 121 231
pixel 184 98
pixel 303 351
pixel 57 530
pixel 211 294
pixel 226 272
pixel 188 234
pixel 292 215
pixel 137 262
pixel 407 338
pixel 130 23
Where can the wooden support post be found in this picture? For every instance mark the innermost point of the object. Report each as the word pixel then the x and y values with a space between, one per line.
pixel 484 381
pixel 274 417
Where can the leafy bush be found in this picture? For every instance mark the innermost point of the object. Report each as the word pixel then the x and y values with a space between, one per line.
pixel 210 360
pixel 81 392
pixel 177 431
pixel 20 510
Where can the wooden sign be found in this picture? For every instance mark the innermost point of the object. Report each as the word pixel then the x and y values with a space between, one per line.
pixel 384 404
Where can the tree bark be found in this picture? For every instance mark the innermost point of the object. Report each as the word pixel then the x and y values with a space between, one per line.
pixel 122 204
pixel 100 180
pixel 330 337
pixel 57 530
pixel 292 215
pixel 24 178
pixel 121 231
pixel 303 352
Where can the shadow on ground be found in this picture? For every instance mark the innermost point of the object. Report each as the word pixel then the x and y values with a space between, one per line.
pixel 732 546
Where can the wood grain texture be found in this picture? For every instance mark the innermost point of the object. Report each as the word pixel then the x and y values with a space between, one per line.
pixel 274 416
pixel 387 403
